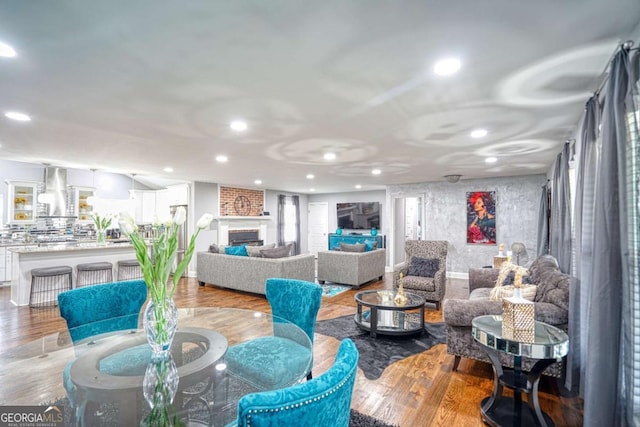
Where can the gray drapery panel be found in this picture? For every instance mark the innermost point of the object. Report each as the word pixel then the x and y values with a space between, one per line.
pixel 560 228
pixel 296 204
pixel 604 400
pixel 280 231
pixel 586 161
pixel 543 222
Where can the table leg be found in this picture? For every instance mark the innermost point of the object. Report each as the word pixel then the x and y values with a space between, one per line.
pixel 496 393
pixel 374 321
pixel 422 319
pixel 533 380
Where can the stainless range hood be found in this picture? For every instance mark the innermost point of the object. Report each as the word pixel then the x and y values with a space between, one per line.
pixel 55 196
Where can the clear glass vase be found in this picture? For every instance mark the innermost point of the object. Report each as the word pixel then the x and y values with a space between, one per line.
pixel 101 237
pixel 159 388
pixel 160 321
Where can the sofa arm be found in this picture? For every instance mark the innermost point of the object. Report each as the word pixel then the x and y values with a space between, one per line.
pixel 482 278
pixel 460 312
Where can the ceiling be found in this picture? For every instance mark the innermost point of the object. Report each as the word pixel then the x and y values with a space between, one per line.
pixel 134 87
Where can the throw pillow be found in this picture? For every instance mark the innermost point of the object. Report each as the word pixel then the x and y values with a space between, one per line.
pixel 370 245
pixel 499 292
pixel 254 251
pixel 508 272
pixel 423 267
pixel 279 252
pixel 213 248
pixel 357 247
pixel 236 250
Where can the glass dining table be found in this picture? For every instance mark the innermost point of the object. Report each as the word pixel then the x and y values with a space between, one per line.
pixel 111 379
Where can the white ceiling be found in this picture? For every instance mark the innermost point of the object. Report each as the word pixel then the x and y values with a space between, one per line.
pixel 134 86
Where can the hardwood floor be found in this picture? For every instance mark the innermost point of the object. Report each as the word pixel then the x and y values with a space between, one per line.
pixel 418 391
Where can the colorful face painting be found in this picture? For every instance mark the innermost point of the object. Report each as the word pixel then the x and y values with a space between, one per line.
pixel 481 218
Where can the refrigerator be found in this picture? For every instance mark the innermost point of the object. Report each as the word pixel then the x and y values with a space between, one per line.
pixel 182 237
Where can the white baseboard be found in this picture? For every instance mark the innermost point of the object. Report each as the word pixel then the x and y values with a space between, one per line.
pixel 457 275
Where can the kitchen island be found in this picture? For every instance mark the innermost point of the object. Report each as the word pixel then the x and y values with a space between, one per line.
pixel 25 258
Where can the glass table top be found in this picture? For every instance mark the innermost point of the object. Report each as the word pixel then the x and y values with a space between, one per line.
pixel 549 341
pixel 384 299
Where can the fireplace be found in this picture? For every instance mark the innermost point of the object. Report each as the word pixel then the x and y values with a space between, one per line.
pixel 244 237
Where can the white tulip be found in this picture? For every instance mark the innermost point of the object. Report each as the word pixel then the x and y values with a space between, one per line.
pixel 204 221
pixel 126 228
pixel 180 216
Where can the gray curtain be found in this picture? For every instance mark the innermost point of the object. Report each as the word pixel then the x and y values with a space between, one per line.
pixel 586 162
pixel 280 231
pixel 560 228
pixel 543 222
pixel 605 399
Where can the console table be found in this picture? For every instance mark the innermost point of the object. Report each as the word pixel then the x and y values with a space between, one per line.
pixel 336 239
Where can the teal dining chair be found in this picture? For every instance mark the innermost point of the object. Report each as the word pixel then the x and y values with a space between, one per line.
pixel 324 401
pixel 98 309
pixel 270 362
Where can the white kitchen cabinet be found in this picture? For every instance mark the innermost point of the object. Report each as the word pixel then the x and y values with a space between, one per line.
pixel 3 268
pixel 82 203
pixel 178 194
pixel 22 203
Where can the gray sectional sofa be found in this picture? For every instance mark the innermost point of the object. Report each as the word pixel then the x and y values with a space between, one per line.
pixel 249 274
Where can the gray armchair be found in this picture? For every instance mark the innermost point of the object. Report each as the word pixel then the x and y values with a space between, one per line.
pixel 431 288
pixel 551 306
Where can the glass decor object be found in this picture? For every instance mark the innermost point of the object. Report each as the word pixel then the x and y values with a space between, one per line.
pixel 339 231
pixel 160 322
pixel 374 231
pixel 159 388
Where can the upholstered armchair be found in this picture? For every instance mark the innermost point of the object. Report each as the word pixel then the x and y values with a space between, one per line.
pixel 424 269
pixel 322 401
pixel 551 305
pixel 271 361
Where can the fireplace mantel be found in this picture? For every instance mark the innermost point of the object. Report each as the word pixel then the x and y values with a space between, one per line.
pixel 233 223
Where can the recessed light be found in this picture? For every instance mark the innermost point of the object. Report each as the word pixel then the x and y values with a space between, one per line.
pixel 7 51
pixel 168 169
pixel 491 159
pixel 358 186
pixel 310 176
pixel 257 182
pixel 238 125
pixel 312 189
pixel 479 133
pixel 376 171
pixel 447 66
pixel 14 115
pixel 329 156
pixel 221 158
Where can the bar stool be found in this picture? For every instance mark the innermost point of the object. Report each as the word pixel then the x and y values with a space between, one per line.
pixel 129 269
pixel 47 283
pixel 93 273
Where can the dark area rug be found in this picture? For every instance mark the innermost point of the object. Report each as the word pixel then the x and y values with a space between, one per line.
pixel 378 353
pixel 361 420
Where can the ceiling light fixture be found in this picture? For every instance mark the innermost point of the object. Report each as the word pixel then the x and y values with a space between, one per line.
pixel 376 172
pixel 20 117
pixel 238 125
pixel 221 158
pixel 447 66
pixel 168 169
pixel 94 196
pixel 329 156
pixel 491 159
pixel 358 186
pixel 312 189
pixel 7 51
pixel 310 176
pixel 132 192
pixel 452 178
pixel 257 182
pixel 479 133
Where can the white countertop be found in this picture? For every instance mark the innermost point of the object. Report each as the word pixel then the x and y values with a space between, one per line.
pixel 66 247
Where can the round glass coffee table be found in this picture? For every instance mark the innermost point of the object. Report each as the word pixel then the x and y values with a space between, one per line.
pixel 385 317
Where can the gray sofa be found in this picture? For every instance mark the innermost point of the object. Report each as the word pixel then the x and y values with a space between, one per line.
pixel 551 306
pixel 351 268
pixel 249 274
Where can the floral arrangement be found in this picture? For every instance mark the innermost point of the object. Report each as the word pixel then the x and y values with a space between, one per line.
pixel 101 222
pixel 164 244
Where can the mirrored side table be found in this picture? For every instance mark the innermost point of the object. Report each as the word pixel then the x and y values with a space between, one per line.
pixel 549 346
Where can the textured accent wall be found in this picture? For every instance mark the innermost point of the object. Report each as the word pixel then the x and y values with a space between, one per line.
pixel 230 195
pixel 517 205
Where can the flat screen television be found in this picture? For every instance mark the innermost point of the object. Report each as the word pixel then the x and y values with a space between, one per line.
pixel 358 216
